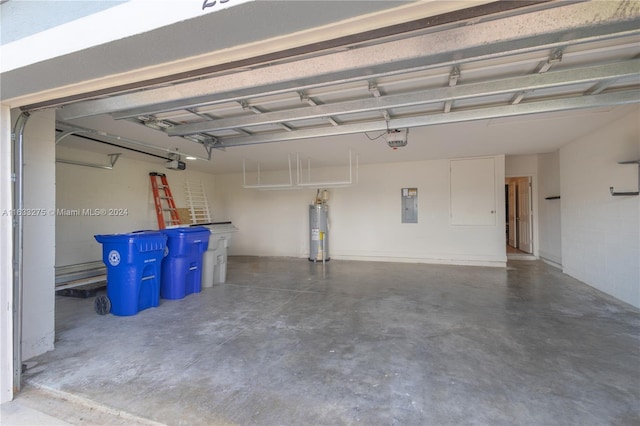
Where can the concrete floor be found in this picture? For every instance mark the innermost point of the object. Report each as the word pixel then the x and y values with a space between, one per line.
pixel 362 343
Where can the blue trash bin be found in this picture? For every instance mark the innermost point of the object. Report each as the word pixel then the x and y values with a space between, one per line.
pixel 133 264
pixel 182 265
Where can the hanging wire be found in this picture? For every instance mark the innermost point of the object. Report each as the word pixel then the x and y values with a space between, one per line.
pixel 374 138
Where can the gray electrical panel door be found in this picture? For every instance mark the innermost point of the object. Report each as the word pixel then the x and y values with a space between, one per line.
pixel 409 199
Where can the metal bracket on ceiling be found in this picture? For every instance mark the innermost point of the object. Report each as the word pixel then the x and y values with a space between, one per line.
pixel 311 102
pixel 373 88
pixel 164 126
pixel 544 66
pixel 246 106
pixel 208 142
pixel 554 58
pixel 153 123
pixel 454 76
pixel 518 97
pixel 211 144
pixel 375 91
pixel 600 87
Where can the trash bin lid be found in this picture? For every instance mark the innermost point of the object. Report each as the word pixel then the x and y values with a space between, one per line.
pixel 185 232
pixel 129 237
pixel 145 241
pixel 186 241
pixel 222 229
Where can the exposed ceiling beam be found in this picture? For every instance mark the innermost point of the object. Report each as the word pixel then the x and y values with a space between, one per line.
pixel 545 29
pixel 530 82
pixel 554 105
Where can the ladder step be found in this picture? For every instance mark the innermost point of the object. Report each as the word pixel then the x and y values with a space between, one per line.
pixel 168 205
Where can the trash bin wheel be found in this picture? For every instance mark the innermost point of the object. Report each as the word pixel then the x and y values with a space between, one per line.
pixel 102 305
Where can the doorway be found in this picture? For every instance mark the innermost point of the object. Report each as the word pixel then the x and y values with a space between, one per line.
pixel 519 207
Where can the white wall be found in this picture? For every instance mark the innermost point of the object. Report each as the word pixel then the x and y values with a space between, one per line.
pixel 127 186
pixel 365 219
pixel 601 233
pixel 39 235
pixel 6 256
pixel 521 166
pixel 549 210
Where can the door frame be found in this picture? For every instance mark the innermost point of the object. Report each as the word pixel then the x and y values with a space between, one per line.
pixel 535 236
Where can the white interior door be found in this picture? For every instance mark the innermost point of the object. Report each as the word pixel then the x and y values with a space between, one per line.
pixel 512 215
pixel 525 243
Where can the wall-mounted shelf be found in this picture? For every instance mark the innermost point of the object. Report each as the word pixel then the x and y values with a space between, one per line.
pixel 628 193
pixel 555 197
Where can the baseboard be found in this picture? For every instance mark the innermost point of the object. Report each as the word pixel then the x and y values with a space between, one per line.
pixel 551 259
pixel 521 256
pixel 460 260
pixel 551 263
pixel 497 263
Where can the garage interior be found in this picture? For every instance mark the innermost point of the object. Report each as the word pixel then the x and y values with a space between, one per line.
pixel 509 294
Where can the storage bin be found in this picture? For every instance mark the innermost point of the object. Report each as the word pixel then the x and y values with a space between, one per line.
pixel 214 263
pixel 182 265
pixel 133 264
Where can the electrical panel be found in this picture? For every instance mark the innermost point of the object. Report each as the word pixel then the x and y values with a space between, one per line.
pixel 409 200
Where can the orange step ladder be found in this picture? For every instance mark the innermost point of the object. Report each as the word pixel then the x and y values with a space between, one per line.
pixel 164 203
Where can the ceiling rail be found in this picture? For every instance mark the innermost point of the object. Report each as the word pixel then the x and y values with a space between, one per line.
pixel 71 129
pixel 112 162
pixel 591 74
pixel 531 107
